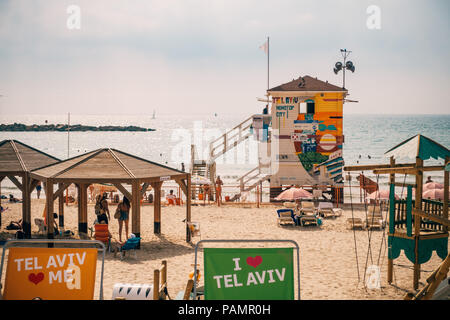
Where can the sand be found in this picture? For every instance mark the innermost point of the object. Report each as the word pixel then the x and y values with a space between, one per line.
pixel 328 267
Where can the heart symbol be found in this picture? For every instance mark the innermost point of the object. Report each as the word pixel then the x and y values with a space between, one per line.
pixel 36 278
pixel 254 262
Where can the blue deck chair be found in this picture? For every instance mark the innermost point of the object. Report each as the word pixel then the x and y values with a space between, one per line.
pixel 130 245
pixel 284 220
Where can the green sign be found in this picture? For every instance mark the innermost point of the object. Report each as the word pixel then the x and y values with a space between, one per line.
pixel 249 274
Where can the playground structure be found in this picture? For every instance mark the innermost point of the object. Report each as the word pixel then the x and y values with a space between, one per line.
pixel 419 226
pixel 299 142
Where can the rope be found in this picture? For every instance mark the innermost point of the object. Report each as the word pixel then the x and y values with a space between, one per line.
pixel 401 197
pixel 369 248
pixel 354 234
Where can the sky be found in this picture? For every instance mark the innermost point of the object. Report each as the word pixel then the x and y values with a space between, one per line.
pixel 200 57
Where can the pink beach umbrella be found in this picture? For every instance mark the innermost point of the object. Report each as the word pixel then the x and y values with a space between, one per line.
pixel 435 194
pixel 432 185
pixel 381 194
pixel 294 194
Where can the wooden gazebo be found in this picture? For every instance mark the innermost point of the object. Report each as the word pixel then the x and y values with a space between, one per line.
pixel 117 168
pixel 16 161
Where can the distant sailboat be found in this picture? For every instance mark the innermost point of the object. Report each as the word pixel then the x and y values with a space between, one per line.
pixel 154 114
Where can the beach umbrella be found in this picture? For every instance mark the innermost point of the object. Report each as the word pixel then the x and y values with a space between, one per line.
pixel 294 194
pixel 432 185
pixel 200 180
pixel 436 194
pixel 381 194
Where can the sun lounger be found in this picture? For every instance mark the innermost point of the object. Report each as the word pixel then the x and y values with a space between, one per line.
pixel 375 221
pixel 286 217
pixel 308 219
pixel 355 223
pixel 308 208
pixel 289 204
pixel 337 212
pixel 325 210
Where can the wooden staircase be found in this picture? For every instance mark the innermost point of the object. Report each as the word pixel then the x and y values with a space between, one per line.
pixel 230 139
pixel 222 145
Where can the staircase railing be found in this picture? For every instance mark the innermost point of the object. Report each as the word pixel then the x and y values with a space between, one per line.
pixel 230 139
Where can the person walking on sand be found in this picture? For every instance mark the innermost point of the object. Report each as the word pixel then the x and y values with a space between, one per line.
pixel 219 184
pixel 38 189
pixel 124 210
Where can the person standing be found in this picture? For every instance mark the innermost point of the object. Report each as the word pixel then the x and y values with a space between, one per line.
pixel 101 208
pixel 124 210
pixel 38 189
pixel 206 192
pixel 219 184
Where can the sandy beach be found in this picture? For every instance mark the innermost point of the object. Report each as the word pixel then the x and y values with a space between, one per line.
pixel 327 254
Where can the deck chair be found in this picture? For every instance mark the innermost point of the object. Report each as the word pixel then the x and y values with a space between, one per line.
pixel 375 221
pixel 355 223
pixel 40 224
pixel 325 210
pixel 307 208
pixel 286 217
pixel 310 219
pixel 101 233
pixel 131 245
pixel 337 212
pixel 289 204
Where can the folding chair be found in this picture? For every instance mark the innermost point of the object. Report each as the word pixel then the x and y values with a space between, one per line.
pixel 101 233
pixel 286 217
pixel 130 245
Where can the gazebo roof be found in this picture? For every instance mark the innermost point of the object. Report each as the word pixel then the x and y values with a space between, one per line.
pixel 418 146
pixel 17 158
pixel 107 165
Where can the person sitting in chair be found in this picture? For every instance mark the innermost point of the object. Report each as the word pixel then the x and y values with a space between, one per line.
pixel 172 197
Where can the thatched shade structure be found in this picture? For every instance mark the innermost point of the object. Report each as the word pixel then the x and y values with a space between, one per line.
pixel 17 160
pixel 115 167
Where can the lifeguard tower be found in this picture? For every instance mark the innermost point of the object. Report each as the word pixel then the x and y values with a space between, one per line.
pixel 300 138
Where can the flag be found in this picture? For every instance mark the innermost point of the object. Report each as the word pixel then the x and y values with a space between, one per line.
pixel 265 47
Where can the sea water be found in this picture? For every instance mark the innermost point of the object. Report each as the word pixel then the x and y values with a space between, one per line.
pixel 367 138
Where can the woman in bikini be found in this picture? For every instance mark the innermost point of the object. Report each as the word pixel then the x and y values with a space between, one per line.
pixel 124 209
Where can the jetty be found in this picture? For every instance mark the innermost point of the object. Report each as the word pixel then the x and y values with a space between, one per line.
pixel 65 127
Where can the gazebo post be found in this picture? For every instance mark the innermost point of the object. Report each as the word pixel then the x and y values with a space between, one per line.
pixel 157 208
pixel 417 205
pixel 61 208
pixel 50 209
pixel 390 269
pixel 26 205
pixel 82 223
pixel 188 207
pixel 1 179
pixel 136 209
